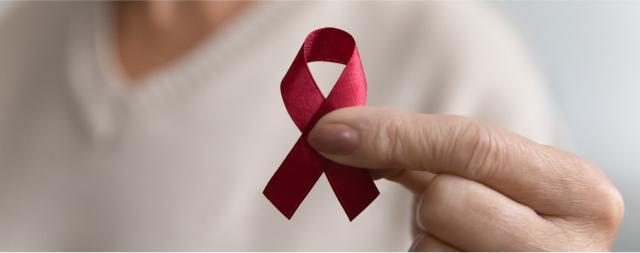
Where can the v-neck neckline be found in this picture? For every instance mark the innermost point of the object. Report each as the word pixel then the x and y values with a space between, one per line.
pixel 108 98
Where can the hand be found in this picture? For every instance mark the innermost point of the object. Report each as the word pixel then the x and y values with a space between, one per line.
pixel 480 188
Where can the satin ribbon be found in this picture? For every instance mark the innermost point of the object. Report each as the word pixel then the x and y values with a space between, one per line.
pixel 305 103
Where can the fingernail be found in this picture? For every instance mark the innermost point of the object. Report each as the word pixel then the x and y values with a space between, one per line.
pixel 337 139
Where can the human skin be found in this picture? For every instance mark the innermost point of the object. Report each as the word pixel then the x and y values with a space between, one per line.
pixel 153 34
pixel 480 187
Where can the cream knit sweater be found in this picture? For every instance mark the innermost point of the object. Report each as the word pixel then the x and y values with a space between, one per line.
pixel 179 161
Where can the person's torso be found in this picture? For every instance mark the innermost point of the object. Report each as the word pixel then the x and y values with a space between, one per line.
pixel 180 162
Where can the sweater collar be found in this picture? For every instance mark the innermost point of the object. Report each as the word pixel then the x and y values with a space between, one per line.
pixel 104 94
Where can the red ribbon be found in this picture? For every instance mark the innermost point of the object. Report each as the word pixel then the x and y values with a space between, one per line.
pixel 305 103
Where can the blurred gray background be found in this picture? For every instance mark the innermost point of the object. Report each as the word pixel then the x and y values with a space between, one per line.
pixel 590 54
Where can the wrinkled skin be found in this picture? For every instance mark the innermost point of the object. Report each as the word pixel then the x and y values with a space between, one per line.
pixel 480 187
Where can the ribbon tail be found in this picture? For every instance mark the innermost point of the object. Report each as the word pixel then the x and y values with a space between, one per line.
pixel 294 178
pixel 354 187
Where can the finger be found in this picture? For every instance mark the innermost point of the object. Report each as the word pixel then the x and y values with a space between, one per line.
pixel 536 175
pixel 427 243
pixel 474 217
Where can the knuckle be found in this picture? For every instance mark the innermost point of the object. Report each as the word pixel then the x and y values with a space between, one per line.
pixel 594 206
pixel 610 217
pixel 607 203
pixel 394 135
pixel 434 202
pixel 477 149
pixel 596 200
pixel 602 206
pixel 597 231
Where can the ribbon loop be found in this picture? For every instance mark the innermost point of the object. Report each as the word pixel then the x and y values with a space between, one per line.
pixel 305 103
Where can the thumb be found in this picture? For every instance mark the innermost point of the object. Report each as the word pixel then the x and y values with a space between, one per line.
pixel 380 138
pixel 369 137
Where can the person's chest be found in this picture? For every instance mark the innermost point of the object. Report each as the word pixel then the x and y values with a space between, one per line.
pixel 181 173
pixel 182 167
